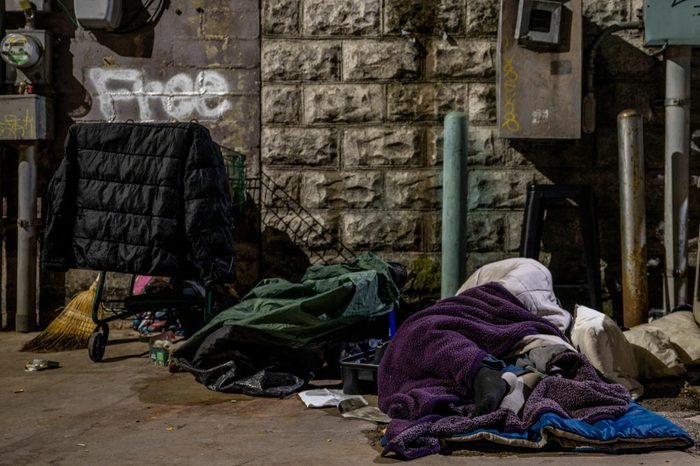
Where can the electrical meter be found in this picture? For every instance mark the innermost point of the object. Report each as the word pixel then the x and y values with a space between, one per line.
pixel 28 54
pixel 20 50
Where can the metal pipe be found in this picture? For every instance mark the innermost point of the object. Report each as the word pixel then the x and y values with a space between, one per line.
pixel 454 203
pixel 3 291
pixel 2 34
pixel 633 236
pixel 589 102
pixel 677 177
pixel 26 239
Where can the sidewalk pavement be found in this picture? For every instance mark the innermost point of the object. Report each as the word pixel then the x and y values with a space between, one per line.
pixel 126 411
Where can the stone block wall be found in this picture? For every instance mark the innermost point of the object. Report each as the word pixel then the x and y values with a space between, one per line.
pixel 353 97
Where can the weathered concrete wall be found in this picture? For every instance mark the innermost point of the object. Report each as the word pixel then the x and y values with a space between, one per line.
pixel 354 93
pixel 200 60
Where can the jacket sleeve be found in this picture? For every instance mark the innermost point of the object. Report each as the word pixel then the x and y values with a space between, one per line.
pixel 208 225
pixel 57 246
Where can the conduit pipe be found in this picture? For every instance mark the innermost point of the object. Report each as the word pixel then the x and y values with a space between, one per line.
pixel 26 239
pixel 454 203
pixel 633 237
pixel 677 176
pixel 589 102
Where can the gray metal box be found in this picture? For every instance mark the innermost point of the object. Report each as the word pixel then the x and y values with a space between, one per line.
pixel 42 6
pixel 672 22
pixel 538 91
pixel 98 14
pixel 539 23
pixel 25 118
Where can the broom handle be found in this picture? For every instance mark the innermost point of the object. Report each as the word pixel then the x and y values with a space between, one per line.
pixel 99 284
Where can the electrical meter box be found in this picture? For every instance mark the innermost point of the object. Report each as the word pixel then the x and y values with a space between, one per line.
pixel 671 22
pixel 27 53
pixel 16 6
pixel 98 14
pixel 539 23
pixel 539 69
pixel 25 118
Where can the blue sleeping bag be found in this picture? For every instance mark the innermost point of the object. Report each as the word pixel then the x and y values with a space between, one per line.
pixel 637 430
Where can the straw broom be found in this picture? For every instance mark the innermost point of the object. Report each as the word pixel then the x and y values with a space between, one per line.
pixel 71 329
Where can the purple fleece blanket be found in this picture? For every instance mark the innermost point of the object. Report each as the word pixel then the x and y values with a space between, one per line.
pixel 425 377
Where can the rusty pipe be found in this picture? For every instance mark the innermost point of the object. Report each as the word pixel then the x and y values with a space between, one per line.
pixel 633 237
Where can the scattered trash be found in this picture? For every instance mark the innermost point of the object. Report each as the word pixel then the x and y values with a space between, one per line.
pixel 350 406
pixel 19 390
pixel 322 398
pixel 160 346
pixel 350 409
pixel 40 365
pixel 80 444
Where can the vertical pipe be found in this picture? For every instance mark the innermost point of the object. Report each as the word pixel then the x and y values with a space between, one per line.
pixel 454 203
pixel 3 318
pixel 2 34
pixel 633 237
pixel 677 178
pixel 26 239
pixel 696 293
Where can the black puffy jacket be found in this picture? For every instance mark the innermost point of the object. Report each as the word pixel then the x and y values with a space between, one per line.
pixel 150 199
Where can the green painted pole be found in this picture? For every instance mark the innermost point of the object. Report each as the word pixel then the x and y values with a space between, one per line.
pixel 454 204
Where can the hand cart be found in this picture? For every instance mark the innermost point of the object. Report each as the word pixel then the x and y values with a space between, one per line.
pixel 133 305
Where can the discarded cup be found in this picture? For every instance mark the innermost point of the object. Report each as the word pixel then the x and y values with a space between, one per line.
pixel 40 365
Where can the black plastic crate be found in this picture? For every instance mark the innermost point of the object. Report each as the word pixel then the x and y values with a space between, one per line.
pixel 359 371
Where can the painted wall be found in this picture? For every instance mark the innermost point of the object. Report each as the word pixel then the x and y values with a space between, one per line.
pixel 200 61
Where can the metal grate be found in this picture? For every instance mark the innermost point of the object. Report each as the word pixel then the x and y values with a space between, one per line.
pixel 281 211
pixel 235 167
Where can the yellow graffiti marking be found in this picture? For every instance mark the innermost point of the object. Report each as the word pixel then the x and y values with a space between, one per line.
pixel 17 127
pixel 510 91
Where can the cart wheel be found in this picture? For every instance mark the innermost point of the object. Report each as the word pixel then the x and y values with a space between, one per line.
pixel 97 344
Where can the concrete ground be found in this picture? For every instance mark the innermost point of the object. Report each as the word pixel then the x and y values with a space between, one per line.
pixel 126 411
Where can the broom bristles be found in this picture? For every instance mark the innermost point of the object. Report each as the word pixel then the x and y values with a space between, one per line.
pixel 71 329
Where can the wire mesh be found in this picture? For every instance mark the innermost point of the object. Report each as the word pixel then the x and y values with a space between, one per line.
pixel 281 211
pixel 235 168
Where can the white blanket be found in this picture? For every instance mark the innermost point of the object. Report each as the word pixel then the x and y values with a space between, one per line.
pixel 527 280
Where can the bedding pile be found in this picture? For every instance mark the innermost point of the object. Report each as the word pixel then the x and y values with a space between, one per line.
pixel 431 383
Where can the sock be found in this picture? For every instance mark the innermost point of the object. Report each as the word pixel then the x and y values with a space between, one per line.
pixel 515 399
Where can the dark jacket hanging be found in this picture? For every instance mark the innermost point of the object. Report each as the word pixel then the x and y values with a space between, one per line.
pixel 150 199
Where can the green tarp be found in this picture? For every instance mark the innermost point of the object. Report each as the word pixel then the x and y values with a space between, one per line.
pixel 327 300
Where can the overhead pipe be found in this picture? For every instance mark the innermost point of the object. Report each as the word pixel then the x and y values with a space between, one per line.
pixel 454 203
pixel 677 176
pixel 633 237
pixel 26 239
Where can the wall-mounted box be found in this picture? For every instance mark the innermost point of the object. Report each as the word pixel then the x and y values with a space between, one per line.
pixel 14 6
pixel 36 74
pixel 538 89
pixel 98 14
pixel 25 117
pixel 539 23
pixel 672 22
